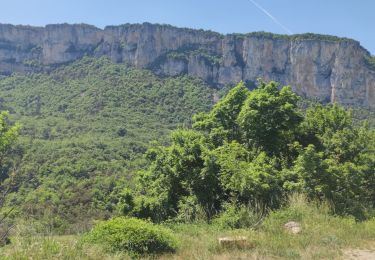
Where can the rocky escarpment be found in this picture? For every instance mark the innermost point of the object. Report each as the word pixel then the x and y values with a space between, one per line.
pixel 324 67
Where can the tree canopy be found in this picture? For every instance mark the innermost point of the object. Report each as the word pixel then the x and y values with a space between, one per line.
pixel 256 147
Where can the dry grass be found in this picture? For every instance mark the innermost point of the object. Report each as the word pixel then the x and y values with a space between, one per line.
pixel 323 237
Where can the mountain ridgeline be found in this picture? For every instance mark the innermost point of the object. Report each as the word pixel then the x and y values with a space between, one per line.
pixel 322 67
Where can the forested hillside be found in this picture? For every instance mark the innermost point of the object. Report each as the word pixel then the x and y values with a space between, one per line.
pixel 84 130
pixel 144 165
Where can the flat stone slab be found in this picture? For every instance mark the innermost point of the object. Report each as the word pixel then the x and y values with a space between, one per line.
pixel 293 227
pixel 235 242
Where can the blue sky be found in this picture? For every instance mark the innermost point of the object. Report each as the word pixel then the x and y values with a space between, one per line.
pixel 349 18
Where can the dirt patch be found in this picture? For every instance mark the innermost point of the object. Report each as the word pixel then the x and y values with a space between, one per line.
pixel 359 254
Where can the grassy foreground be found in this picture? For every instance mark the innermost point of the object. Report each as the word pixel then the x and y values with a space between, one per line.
pixel 323 237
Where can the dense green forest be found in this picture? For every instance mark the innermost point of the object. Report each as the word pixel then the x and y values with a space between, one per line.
pixel 255 148
pixel 84 129
pixel 95 140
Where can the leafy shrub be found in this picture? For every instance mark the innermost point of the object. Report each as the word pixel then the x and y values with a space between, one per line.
pixel 131 235
pixel 235 216
pixel 189 210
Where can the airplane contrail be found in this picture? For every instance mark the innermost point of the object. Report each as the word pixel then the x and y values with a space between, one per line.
pixel 271 16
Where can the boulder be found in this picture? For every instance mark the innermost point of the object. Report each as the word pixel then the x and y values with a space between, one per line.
pixel 293 227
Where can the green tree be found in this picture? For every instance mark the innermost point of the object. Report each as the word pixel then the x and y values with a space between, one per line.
pixel 322 122
pixel 221 121
pixel 183 169
pixel 255 148
pixel 269 118
pixel 8 135
pixel 338 163
pixel 248 179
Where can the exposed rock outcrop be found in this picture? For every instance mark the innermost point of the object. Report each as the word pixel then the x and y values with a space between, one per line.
pixel 324 67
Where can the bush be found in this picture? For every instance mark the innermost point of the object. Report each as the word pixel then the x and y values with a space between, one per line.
pixel 189 210
pixel 131 235
pixel 257 147
pixel 235 216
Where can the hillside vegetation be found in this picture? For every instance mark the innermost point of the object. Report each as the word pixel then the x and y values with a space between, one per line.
pixel 371 62
pixel 114 162
pixel 255 148
pixel 84 130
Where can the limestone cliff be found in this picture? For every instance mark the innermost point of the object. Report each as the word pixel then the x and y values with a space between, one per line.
pixel 318 66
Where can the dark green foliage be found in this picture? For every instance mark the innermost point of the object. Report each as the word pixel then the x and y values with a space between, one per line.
pixel 371 62
pixel 185 53
pixel 8 136
pixel 184 168
pixel 85 128
pixel 257 147
pixel 361 114
pixel 269 118
pixel 339 163
pixel 221 123
pixel 134 236
pixel 295 37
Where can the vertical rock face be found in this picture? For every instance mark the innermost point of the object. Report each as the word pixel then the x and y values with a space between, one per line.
pixel 323 67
